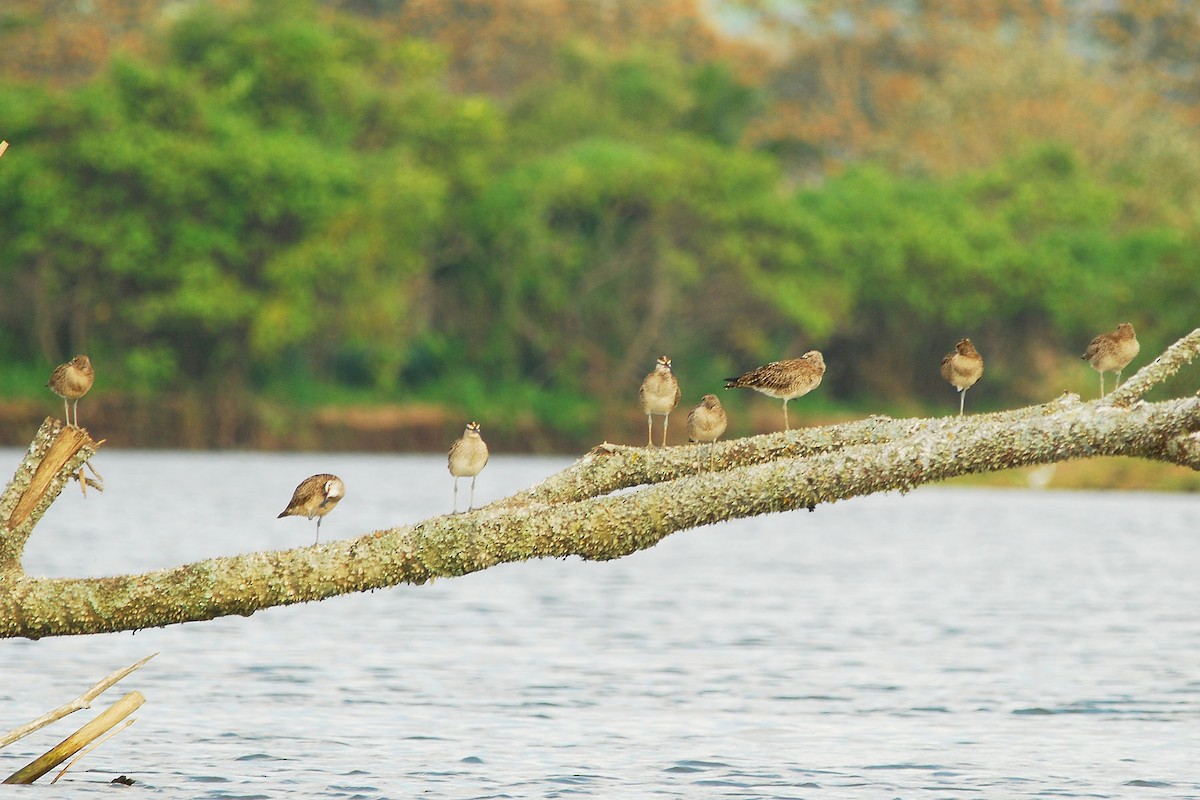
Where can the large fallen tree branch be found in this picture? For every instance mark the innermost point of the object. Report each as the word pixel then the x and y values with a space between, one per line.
pixel 579 512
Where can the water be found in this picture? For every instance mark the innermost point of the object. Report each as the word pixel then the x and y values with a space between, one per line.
pixel 948 643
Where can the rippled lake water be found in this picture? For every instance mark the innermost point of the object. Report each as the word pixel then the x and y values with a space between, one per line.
pixel 946 643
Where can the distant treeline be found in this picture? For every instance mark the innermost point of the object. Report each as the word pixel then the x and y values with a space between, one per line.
pixel 434 201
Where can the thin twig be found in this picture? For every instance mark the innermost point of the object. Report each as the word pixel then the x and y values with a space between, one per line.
pixel 93 746
pixel 85 481
pixel 90 466
pixel 78 740
pixel 83 701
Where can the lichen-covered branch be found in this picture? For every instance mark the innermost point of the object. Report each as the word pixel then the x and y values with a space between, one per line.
pixel 56 454
pixel 609 467
pixel 578 512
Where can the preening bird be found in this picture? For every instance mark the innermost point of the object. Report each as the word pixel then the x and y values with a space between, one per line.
pixel 315 497
pixel 707 422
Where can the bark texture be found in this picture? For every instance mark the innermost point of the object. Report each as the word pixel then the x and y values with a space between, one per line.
pixel 580 511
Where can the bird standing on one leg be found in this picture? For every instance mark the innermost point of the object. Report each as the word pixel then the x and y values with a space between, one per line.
pixel 71 381
pixel 468 456
pixel 707 422
pixel 786 380
pixel 962 369
pixel 315 497
pixel 659 395
pixel 1112 351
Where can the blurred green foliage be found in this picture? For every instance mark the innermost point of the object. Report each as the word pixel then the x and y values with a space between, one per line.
pixel 280 198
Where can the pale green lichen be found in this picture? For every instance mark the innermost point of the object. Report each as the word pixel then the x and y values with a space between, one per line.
pixel 611 503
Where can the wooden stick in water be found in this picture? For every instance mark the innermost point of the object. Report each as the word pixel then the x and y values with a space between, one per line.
pixel 77 740
pixel 92 747
pixel 83 701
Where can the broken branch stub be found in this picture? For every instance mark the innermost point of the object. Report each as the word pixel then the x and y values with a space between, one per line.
pixel 78 740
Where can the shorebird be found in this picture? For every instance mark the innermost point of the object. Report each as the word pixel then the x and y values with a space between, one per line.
pixel 1112 351
pixel 659 395
pixel 71 381
pixel 788 379
pixel 707 421
pixel 468 457
pixel 962 369
pixel 315 497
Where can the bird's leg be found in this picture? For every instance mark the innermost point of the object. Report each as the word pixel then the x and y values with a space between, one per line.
pixel 786 426
pixel 1102 384
pixel 962 399
pixel 666 419
pixel 67 411
pixel 649 430
pixel 471 503
pixel 1114 387
pixel 318 540
pixel 455 495
pixel 75 408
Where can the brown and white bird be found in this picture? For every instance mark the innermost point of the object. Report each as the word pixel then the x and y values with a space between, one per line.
pixel 468 457
pixel 659 396
pixel 1112 351
pixel 315 497
pixel 71 381
pixel 707 422
pixel 962 369
pixel 786 380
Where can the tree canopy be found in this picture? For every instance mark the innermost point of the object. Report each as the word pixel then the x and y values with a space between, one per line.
pixel 473 201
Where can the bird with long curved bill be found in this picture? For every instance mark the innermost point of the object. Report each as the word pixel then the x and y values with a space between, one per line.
pixel 785 380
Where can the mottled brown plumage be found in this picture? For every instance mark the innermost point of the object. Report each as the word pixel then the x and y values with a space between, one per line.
pixel 1112 352
pixel 707 421
pixel 659 395
pixel 468 456
pixel 962 369
pixel 315 497
pixel 786 380
pixel 71 381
